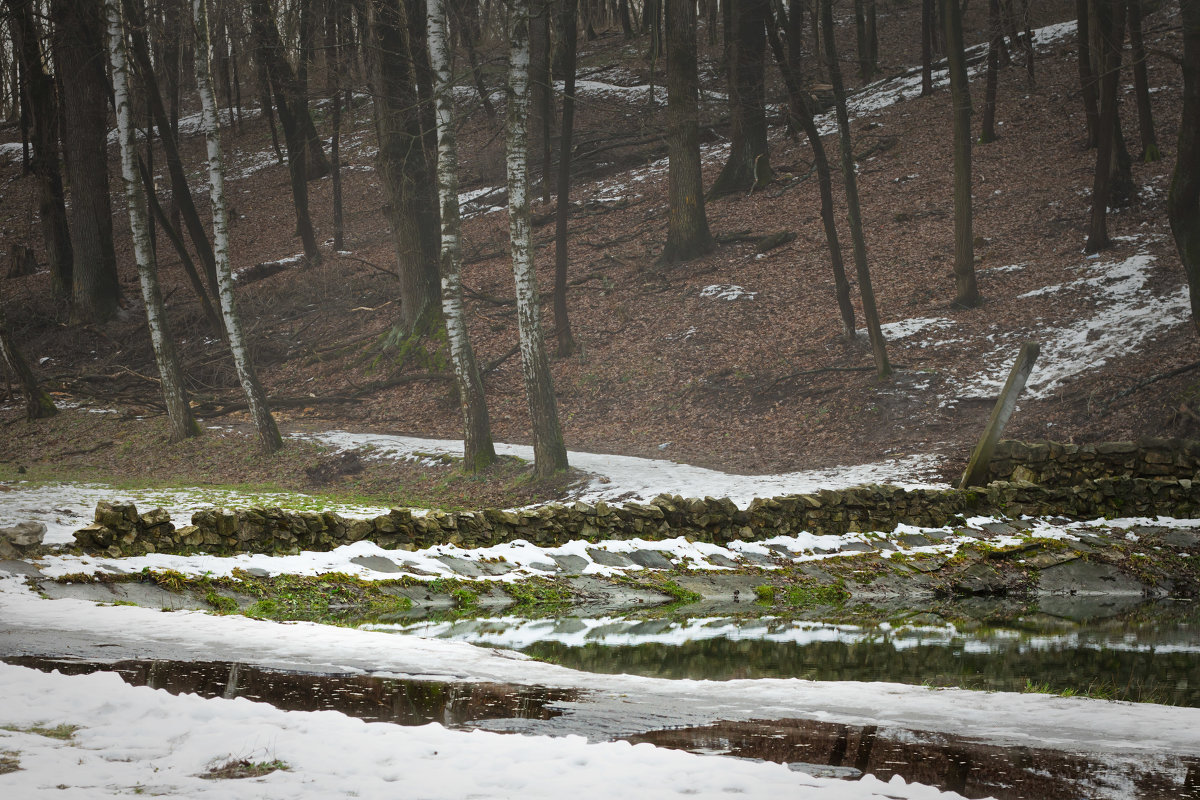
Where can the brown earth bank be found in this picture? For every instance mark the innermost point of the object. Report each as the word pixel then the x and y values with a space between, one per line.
pixel 757 384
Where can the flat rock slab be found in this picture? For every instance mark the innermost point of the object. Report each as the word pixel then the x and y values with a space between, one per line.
pixel 607 558
pixel 495 567
pixel 857 547
pixel 571 564
pixel 542 566
pixel 914 540
pixel 462 566
pixel 650 559
pixel 376 563
pixel 718 560
pixel 1087 578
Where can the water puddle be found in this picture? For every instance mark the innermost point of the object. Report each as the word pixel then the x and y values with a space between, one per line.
pixel 375 699
pixel 970 768
pixel 1146 653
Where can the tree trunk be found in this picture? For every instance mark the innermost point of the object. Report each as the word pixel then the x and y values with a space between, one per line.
pixel 1141 85
pixel 878 345
pixel 541 114
pixel 1183 199
pixel 987 132
pixel 264 423
pixel 688 235
pixel 864 29
pixel 335 19
pixel 967 292
pixel 466 19
pixel 568 30
pixel 39 99
pixel 803 116
pixel 292 106
pixel 38 404
pixel 478 450
pixel 927 28
pixel 79 54
pixel 169 138
pixel 1110 21
pixel 402 166
pixel 179 410
pixel 549 452
pixel 748 166
pixel 1087 76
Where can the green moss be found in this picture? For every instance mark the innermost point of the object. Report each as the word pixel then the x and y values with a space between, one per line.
pixel 220 603
pixel 811 593
pixel 465 598
pixel 537 592
pixel 764 594
pixel 63 731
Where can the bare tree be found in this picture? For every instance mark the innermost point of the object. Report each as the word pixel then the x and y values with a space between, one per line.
pixel 1110 22
pixel 568 31
pixel 987 130
pixel 179 410
pixel 79 54
pixel 478 449
pixel 853 210
pixel 688 235
pixel 549 452
pixel 966 289
pixel 748 165
pixel 1183 199
pixel 1141 84
pixel 264 423
pixel 38 404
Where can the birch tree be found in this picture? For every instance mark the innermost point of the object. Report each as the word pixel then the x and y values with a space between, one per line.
pixel 183 424
pixel 264 423
pixel 549 452
pixel 478 450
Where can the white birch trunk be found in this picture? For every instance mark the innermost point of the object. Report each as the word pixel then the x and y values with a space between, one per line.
pixel 549 452
pixel 183 424
pixel 478 449
pixel 264 423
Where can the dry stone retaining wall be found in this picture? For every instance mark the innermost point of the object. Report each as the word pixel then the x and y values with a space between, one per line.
pixel 120 530
pixel 1056 464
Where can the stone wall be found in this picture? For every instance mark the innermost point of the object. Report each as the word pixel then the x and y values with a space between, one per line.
pixel 120 530
pixel 1055 464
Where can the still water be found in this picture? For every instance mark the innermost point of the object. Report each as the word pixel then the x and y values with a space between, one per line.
pixel 1147 652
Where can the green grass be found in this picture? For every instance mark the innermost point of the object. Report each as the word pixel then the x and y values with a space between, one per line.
pixel 9 762
pixel 242 768
pixel 63 732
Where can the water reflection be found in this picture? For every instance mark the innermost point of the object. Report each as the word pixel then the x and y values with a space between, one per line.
pixel 1148 654
pixel 972 769
pixel 375 699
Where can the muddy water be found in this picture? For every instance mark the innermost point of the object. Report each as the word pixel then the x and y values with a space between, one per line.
pixel 1147 653
pixel 375 699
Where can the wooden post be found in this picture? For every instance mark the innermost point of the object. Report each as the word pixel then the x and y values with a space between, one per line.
pixel 977 468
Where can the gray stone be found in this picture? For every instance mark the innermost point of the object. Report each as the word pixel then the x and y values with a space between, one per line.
pixel 462 566
pixel 495 567
pixel 913 540
pixel 651 559
pixel 758 559
pixel 1176 537
pixel 980 578
pixel 413 569
pixel 543 566
pixel 999 528
pixel 258 572
pixel 858 547
pixel 1087 578
pixel 718 560
pixel 571 564
pixel 782 550
pixel 607 558
pixel 376 563
pixel 24 535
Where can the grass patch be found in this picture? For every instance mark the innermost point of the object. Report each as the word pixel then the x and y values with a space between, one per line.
pixel 764 594
pixel 63 732
pixel 537 593
pixel 808 594
pixel 242 768
pixel 9 762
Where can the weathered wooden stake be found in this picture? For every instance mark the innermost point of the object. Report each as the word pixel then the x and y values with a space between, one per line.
pixel 977 468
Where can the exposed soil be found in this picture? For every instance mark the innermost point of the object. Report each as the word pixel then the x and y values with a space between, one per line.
pixel 747 385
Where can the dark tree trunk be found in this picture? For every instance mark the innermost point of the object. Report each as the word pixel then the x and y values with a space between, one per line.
pixel 268 109
pixel 403 168
pixel 878 346
pixel 927 28
pixel 292 106
pixel 1110 21
pixel 867 38
pixel 1087 76
pixel 541 114
pixel 688 235
pixel 987 132
pixel 802 115
pixel 568 31
pixel 38 404
pixel 1183 199
pixel 39 97
pixel 1141 85
pixel 81 56
pixel 466 20
pixel 748 166
pixel 966 290
pixel 335 20
pixel 623 15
